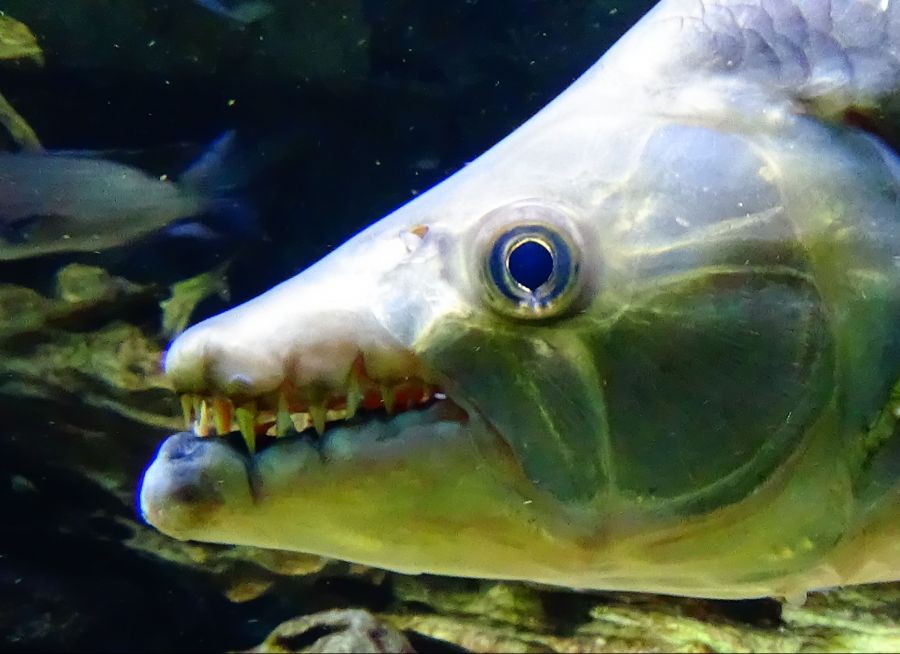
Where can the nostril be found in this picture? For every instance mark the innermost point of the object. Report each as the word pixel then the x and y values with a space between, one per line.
pixel 239 384
pixel 242 369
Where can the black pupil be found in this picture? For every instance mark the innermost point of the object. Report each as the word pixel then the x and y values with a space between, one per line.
pixel 530 264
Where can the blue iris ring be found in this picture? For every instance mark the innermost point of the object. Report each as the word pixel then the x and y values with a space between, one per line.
pixel 522 288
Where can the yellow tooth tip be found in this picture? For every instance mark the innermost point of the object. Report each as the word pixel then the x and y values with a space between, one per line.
pixel 283 418
pixel 387 398
pixel 250 439
pixel 222 416
pixel 202 427
pixel 317 413
pixel 246 418
pixel 187 410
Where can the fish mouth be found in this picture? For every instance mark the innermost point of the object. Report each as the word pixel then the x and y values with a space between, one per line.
pixel 366 407
pixel 332 475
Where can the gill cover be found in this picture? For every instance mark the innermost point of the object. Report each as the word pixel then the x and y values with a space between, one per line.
pixel 528 377
pixel 681 363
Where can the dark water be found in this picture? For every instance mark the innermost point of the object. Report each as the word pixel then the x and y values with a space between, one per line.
pixel 342 111
pixel 347 109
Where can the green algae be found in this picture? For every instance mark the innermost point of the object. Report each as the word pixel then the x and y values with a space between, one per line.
pixel 18 45
pixel 510 617
pixel 187 294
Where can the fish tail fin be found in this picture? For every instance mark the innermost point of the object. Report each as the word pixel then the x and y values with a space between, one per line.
pixel 244 13
pixel 212 173
pixel 223 218
pixel 220 176
pixel 233 216
pixel 251 12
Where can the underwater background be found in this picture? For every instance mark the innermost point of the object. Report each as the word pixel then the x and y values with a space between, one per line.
pixel 334 113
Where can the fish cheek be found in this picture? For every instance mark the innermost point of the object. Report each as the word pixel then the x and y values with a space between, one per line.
pixel 536 388
pixel 713 383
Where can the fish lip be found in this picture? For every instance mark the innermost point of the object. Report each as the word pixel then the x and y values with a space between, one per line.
pixel 282 406
pixel 208 488
pixel 465 408
pixel 435 411
pixel 185 484
pixel 194 482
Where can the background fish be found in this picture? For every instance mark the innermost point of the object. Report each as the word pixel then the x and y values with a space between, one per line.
pixel 80 203
pixel 242 12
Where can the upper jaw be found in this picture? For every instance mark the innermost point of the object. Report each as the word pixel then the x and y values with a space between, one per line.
pixel 285 337
pixel 260 388
pixel 310 351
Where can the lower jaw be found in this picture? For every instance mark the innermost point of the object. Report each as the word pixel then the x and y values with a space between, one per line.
pixel 340 440
pixel 197 482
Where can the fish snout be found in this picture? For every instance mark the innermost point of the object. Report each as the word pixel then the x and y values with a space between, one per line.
pixel 208 358
pixel 227 356
pixel 318 341
pixel 288 361
pixel 190 481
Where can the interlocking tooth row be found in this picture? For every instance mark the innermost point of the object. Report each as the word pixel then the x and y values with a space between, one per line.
pixel 277 413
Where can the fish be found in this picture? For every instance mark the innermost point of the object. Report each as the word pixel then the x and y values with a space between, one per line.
pixel 647 342
pixel 78 202
pixel 245 13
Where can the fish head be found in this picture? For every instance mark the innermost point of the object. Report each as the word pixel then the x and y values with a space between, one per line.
pixel 449 367
pixel 539 355
pixel 612 352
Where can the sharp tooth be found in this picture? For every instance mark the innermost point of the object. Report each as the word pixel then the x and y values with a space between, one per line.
pixel 387 398
pixel 317 413
pixel 246 419
pixel 283 419
pixel 354 394
pixel 196 403
pixel 187 409
pixel 300 420
pixel 203 420
pixel 222 416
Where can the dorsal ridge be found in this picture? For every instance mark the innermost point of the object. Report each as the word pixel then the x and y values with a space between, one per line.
pixel 826 56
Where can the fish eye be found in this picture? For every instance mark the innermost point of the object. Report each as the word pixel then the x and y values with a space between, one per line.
pixel 530 264
pixel 531 270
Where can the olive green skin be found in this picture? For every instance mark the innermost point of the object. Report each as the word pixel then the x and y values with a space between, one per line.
pixel 705 409
pixel 728 377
